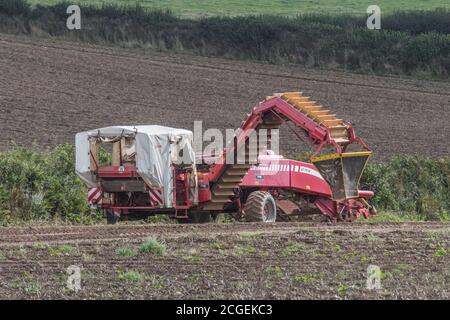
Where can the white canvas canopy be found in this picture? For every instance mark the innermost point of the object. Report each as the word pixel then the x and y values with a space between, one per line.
pixel 156 148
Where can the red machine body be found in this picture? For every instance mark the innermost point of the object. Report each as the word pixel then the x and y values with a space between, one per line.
pixel 288 174
pixel 222 187
pixel 302 180
pixel 126 181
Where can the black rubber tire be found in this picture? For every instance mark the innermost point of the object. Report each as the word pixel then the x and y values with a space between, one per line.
pixel 260 207
pixel 112 217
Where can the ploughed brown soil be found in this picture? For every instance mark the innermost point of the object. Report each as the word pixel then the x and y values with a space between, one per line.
pixel 228 260
pixel 51 89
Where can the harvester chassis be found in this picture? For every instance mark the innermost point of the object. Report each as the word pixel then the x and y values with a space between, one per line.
pixel 222 187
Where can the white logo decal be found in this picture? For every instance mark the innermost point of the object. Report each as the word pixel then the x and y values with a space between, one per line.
pixel 312 172
pixel 287 168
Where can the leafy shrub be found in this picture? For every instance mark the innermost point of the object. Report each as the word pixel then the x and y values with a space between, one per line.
pixel 411 21
pixel 14 7
pixel 410 184
pixel 42 186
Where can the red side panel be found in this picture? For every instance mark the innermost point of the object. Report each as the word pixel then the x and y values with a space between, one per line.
pixel 268 175
pixel 204 190
pixel 306 178
pixel 289 174
pixel 117 172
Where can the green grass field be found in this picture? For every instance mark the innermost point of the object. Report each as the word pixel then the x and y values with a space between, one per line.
pixel 199 8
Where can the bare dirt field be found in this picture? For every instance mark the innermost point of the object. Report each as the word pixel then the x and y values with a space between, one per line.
pixel 228 260
pixel 51 89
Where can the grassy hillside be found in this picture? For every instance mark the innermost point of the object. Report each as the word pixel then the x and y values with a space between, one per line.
pixel 201 8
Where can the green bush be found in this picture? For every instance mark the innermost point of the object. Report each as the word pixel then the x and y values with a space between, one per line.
pixel 14 7
pixel 411 21
pixel 410 184
pixel 42 186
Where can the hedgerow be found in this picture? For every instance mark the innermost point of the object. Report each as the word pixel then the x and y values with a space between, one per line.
pixel 43 186
pixel 411 184
pixel 410 42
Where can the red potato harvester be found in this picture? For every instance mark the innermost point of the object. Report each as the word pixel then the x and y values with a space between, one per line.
pixel 148 170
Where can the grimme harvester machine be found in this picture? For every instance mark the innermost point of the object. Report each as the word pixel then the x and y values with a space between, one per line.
pixel 154 169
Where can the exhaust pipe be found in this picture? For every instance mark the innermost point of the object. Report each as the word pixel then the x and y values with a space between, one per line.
pixel 342 172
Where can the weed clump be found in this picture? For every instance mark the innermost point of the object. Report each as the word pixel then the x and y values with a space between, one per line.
pixel 153 246
pixel 130 276
pixel 126 251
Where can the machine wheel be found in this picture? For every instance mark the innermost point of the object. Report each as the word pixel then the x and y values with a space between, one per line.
pixel 260 207
pixel 112 217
